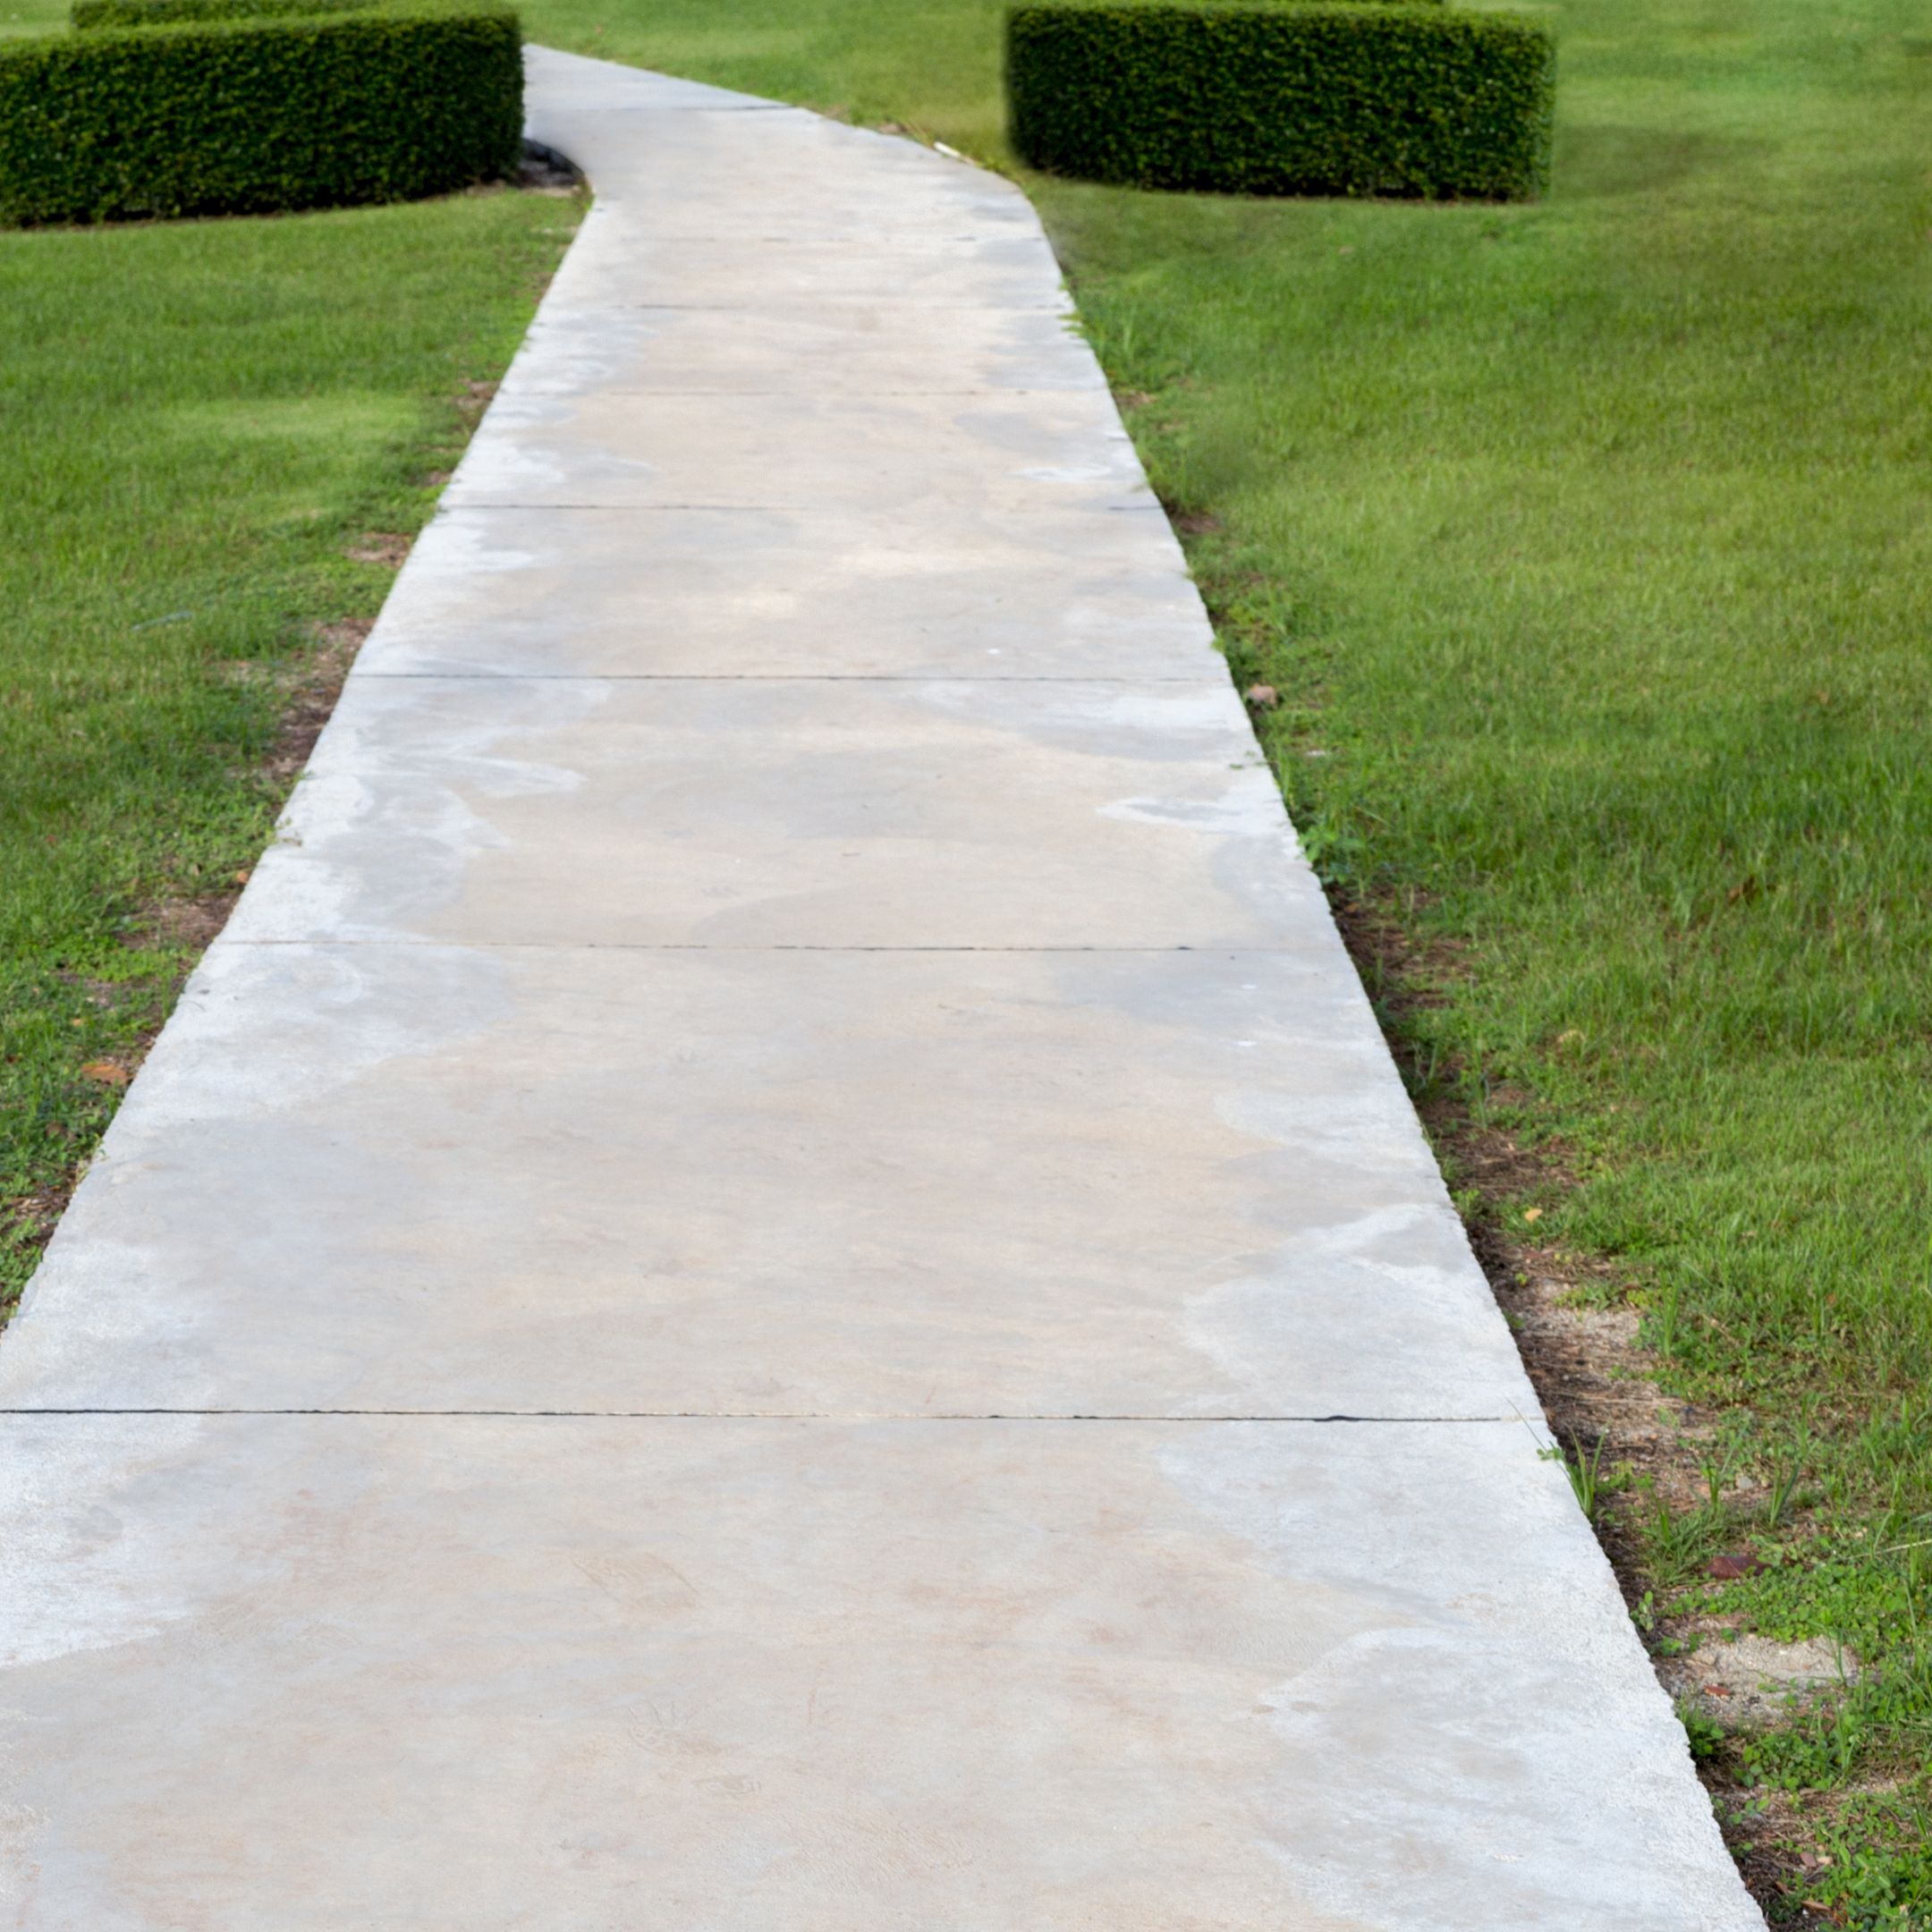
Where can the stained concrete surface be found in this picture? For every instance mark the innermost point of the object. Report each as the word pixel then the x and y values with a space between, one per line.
pixel 787 812
pixel 777 1276
pixel 769 593
pixel 716 1673
pixel 1019 454
pixel 945 1182
pixel 852 349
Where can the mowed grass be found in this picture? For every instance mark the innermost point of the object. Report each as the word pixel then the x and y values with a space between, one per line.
pixel 1588 544
pixel 202 420
pixel 31 17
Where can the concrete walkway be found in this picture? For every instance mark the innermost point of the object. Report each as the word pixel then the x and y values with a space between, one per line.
pixel 775 1281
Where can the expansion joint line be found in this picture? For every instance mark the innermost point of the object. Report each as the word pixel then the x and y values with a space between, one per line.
pixel 748 1415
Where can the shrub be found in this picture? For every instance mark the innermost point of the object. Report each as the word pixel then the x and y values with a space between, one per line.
pixel 229 116
pixel 162 12
pixel 1284 99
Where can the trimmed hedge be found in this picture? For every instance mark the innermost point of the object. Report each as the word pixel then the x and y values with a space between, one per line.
pixel 1284 99
pixel 89 13
pixel 255 115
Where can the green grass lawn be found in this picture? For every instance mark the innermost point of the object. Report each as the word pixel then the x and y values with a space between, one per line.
pixel 1588 546
pixel 203 419
pixel 31 17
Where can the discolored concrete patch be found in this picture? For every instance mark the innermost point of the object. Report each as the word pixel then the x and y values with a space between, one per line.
pixel 614 593
pixel 1041 453
pixel 852 349
pixel 735 1673
pixel 853 1183
pixel 1744 1681
pixel 782 812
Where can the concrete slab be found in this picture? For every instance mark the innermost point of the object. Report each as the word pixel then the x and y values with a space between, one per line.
pixel 457 1673
pixel 915 1124
pixel 852 349
pixel 637 260
pixel 924 1183
pixel 697 181
pixel 697 176
pixel 938 455
pixel 770 593
pixel 787 812
pixel 561 84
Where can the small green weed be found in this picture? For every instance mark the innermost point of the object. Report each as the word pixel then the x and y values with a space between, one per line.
pixel 1589 1481
pixel 1706 1738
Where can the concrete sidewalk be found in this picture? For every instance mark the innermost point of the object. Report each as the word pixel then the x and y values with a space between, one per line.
pixel 775 1281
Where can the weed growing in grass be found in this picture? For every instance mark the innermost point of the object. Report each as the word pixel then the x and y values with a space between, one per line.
pixel 1589 1481
pixel 1678 1542
pixel 1706 1739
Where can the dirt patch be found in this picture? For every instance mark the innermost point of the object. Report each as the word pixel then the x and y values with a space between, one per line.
pixel 311 697
pixel 1743 1682
pixel 29 1221
pixel 1579 1342
pixel 190 924
pixel 386 548
pixel 1409 975
pixel 544 171
pixel 1576 1331
pixel 475 398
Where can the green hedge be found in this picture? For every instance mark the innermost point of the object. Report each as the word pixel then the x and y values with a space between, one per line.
pixel 253 115
pixel 89 13
pixel 1284 99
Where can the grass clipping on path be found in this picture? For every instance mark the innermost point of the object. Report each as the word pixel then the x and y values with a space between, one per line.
pixel 1586 546
pixel 222 437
